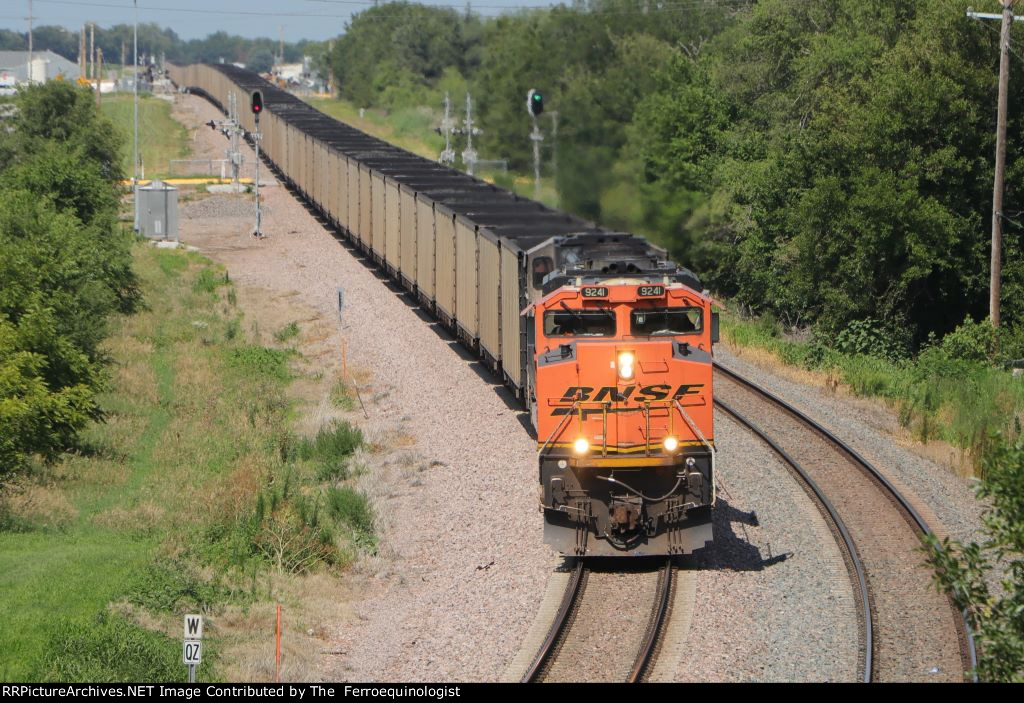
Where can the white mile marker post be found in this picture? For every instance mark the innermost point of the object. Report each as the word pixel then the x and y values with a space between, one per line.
pixel 192 647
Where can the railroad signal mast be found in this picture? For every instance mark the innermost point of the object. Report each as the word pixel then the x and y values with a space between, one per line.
pixel 535 106
pixel 257 108
pixel 232 129
pixel 447 128
pixel 469 155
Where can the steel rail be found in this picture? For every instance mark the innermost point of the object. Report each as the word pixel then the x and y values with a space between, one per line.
pixel 847 540
pixel 655 627
pixel 869 468
pixel 558 628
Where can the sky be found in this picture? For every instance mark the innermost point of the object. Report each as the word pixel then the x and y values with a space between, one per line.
pixel 295 19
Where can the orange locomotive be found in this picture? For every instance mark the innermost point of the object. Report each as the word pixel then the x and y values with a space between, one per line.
pixel 623 408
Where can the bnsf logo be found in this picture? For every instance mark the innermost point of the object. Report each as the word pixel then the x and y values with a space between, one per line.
pixel 658 392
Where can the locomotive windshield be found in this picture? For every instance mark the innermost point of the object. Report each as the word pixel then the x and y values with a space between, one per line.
pixel 652 322
pixel 594 322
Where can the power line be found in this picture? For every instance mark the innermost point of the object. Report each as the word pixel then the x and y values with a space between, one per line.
pixel 659 8
pixel 182 10
pixel 652 8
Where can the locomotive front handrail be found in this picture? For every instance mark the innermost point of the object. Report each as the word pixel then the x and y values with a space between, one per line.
pixel 558 428
pixel 700 435
pixel 578 407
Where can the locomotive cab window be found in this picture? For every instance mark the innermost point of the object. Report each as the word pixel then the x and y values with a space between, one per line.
pixel 595 322
pixel 651 322
pixel 542 266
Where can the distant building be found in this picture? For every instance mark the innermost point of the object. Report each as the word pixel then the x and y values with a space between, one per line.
pixel 300 76
pixel 46 66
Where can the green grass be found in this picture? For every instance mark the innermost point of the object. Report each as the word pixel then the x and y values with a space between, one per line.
pixel 161 138
pixel 180 417
pixel 185 499
pixel 351 508
pixel 329 450
pixel 343 395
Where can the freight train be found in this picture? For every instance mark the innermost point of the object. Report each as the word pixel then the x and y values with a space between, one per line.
pixel 606 342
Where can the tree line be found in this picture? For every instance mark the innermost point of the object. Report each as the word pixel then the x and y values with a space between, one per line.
pixel 156 41
pixel 65 269
pixel 820 162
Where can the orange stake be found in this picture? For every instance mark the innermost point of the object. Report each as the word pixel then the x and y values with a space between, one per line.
pixel 277 648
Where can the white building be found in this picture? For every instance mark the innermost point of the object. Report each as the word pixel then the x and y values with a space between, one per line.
pixel 46 65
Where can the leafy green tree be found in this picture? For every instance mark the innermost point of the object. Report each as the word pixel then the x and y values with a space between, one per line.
pixel 851 176
pixel 969 572
pixel 50 263
pixel 65 114
pixel 261 60
pixel 72 183
pixel 413 43
pixel 36 418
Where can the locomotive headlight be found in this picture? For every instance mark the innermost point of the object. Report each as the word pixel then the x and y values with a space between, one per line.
pixel 581 445
pixel 671 444
pixel 625 366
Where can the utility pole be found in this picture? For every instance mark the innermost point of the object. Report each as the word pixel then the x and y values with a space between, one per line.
pixel 554 147
pixel 92 50
pixel 135 89
pixel 469 154
pixel 81 52
pixel 99 75
pixel 534 107
pixel 30 62
pixel 234 153
pixel 330 68
pixel 122 56
pixel 537 138
pixel 447 124
pixel 257 107
pixel 995 283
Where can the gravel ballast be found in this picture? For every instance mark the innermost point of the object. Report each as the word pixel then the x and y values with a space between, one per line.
pixel 948 501
pixel 773 600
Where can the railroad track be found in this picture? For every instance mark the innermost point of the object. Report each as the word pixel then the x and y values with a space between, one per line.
pixel 909 631
pixel 586 615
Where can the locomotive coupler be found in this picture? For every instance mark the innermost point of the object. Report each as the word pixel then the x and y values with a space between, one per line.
pixel 624 513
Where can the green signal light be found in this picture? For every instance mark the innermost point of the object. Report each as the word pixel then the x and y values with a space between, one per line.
pixel 537 96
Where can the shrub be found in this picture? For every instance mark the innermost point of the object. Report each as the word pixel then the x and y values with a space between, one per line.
pixel 287 332
pixel 209 280
pixel 263 361
pixel 971 341
pixel 173 587
pixel 868 337
pixel 338 441
pixel 352 509
pixel 37 417
pixel 965 571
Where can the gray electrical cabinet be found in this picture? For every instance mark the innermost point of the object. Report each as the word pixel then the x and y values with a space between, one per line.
pixel 158 211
